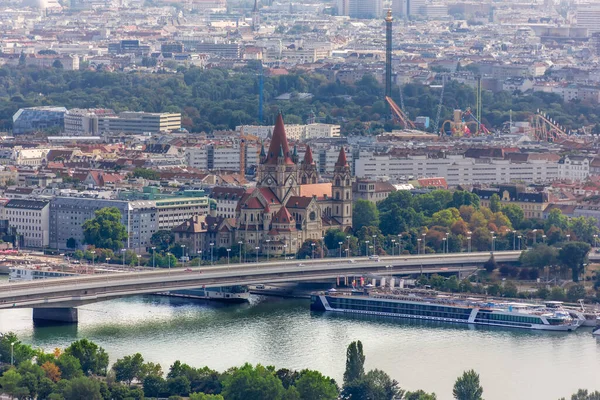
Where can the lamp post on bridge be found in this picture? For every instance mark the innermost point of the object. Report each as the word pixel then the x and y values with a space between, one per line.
pixel 257 248
pixel 469 246
pixel 393 246
pixel 268 247
pixel 340 246
pixel 211 253
pixel 228 250
pixel 367 248
pixel 312 245
pixel 123 252
pixel 153 252
pixel 418 246
pixel 240 244
pixel 514 236
pixel 347 245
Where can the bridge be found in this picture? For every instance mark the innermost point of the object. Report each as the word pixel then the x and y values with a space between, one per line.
pixel 56 299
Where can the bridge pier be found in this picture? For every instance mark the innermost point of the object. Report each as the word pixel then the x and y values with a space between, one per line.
pixel 55 315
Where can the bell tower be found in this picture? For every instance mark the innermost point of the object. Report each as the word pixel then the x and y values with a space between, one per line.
pixel 341 209
pixel 308 170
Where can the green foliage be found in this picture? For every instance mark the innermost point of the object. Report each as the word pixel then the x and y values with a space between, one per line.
pixel 21 352
pixel 539 257
pixel 355 362
pixel 313 385
pixel 576 292
pixel 467 387
pixel 105 230
pixel 146 173
pixel 93 358
pixel 252 383
pixel 573 255
pixel 306 250
pixel 490 265
pixel 556 219
pixel 495 203
pixel 419 395
pixel 162 240
pixel 365 213
pixel 333 237
pixel 70 367
pixel 129 368
pixel 204 396
pixel 71 243
pixel 82 388
pixel 583 394
pixel 514 213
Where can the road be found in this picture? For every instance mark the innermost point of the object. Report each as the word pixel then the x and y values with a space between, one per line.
pixel 75 291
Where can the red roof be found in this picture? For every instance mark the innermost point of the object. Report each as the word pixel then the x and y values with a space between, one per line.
pixel 342 160
pixel 308 156
pixel 283 216
pixel 279 144
pixel 253 203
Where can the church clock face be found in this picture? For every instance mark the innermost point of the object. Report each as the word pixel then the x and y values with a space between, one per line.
pixel 269 181
pixel 312 215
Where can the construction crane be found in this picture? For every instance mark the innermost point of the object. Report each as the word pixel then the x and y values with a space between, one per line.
pixel 398 114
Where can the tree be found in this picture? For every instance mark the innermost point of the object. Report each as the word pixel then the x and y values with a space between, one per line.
pixel 105 230
pixel 313 385
pixel 306 251
pixel 490 265
pixel 93 358
pixel 204 396
pixel 467 387
pixel 71 243
pixel 584 228
pixel 419 395
pixel 556 219
pixel 495 203
pixel 573 255
pixel 82 388
pixel 52 371
pixel 10 382
pixel 355 362
pixel 146 174
pixel 128 368
pixel 20 352
pixel 333 237
pixel 382 387
pixel 154 386
pixel 584 395
pixel 252 383
pixel 162 240
pixel 514 213
pixel 179 386
pixel 510 289
pixel 365 213
pixel 540 256
pixel 576 292
pixel 69 366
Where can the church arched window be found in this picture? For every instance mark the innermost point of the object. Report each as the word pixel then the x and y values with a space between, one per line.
pixel 347 195
pixel 337 195
pixel 337 181
pixel 303 180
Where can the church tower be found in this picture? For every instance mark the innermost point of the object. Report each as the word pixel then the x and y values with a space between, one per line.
pixel 255 17
pixel 308 170
pixel 341 209
pixel 277 169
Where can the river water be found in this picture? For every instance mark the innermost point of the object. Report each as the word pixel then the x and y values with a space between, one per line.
pixel 513 364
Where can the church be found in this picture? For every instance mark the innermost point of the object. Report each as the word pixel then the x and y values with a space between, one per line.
pixel 288 205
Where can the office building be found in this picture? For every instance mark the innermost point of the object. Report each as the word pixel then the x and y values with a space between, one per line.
pixel 35 119
pixel 140 122
pixel 84 122
pixel 30 221
pixel 366 9
pixel 588 16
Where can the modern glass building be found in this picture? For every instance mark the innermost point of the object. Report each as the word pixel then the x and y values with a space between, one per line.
pixel 34 119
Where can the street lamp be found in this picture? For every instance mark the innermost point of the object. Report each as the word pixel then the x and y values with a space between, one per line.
pixel 493 239
pixel 534 238
pixel 595 240
pixel 419 246
pixel 268 246
pixel 568 237
pixel 211 254
pixel 374 244
pixel 199 252
pixel 423 244
pixel 123 252
pixel 544 239
pixel 183 254
pixel 138 259
pixel 285 252
pixel 514 237
pixel 93 255
pixel 228 250
pixel 322 246
pixel 393 246
pixel 257 248
pixel 520 237
pixel 367 247
pixel 340 246
pixel 469 247
pixel 240 244
pixel 444 240
pixel 153 252
pixel 12 353
pixel 447 242
pixel 347 245
pixel 169 258
pixel 312 245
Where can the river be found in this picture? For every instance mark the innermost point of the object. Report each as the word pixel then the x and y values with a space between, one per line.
pixel 513 364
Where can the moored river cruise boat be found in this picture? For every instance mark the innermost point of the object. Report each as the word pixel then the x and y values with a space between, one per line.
pixel 431 306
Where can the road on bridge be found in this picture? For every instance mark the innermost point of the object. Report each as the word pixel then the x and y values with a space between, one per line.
pixel 75 291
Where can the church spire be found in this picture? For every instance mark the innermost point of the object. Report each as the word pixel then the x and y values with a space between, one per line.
pixel 308 156
pixel 342 160
pixel 279 146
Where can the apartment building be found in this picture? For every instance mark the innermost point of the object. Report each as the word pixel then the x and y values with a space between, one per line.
pixel 458 169
pixel 30 219
pixel 174 211
pixel 226 199
pixel 293 132
pixel 575 168
pixel 221 156
pixel 533 204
